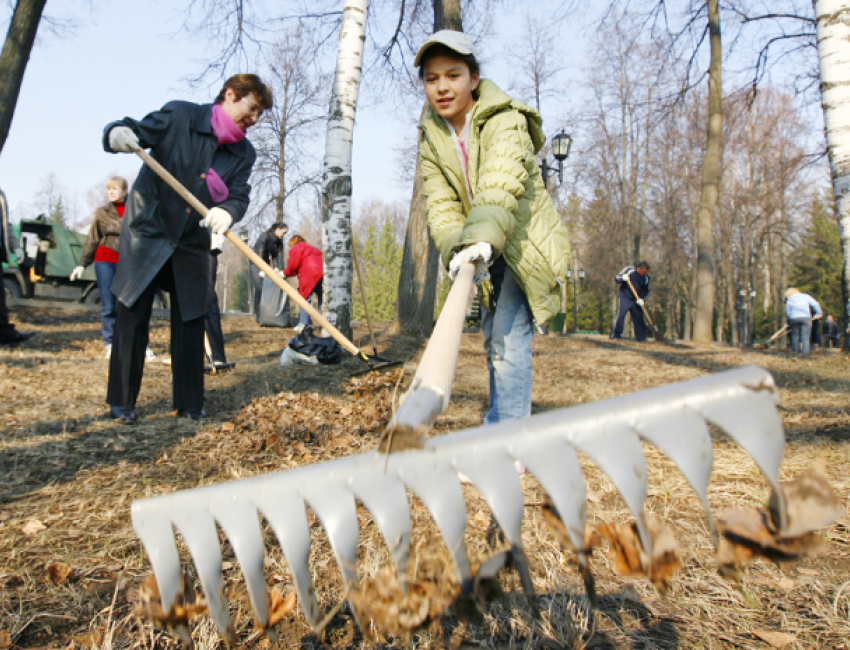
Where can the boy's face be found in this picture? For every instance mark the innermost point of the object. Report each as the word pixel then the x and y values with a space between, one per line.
pixel 449 86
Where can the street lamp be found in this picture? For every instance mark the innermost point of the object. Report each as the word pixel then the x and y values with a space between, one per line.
pixel 561 144
pixel 575 280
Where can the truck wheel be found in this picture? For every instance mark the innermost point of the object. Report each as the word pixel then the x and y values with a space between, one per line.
pixel 93 297
pixel 12 289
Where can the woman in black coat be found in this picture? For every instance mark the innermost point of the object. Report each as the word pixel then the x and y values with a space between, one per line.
pixel 268 246
pixel 164 243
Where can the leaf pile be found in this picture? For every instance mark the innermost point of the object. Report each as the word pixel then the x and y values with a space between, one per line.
pixel 187 605
pixel 287 420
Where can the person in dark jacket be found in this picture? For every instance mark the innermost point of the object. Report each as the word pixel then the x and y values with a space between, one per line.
pixel 639 279
pixel 831 332
pixel 9 244
pixel 306 262
pixel 164 243
pixel 268 246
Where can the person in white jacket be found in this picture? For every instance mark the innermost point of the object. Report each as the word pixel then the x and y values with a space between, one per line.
pixel 799 308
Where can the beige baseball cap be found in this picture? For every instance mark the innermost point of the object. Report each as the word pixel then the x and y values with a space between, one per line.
pixel 457 41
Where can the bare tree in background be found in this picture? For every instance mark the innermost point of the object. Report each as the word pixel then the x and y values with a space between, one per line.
pixel 285 164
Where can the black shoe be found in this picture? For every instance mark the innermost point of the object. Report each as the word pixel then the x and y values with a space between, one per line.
pixel 195 414
pixel 127 416
pixel 16 337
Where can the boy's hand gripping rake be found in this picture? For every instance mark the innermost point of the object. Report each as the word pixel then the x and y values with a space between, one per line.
pixel 372 363
pixel 674 418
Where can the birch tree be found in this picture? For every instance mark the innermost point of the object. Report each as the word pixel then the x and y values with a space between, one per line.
pixel 833 37
pixel 336 178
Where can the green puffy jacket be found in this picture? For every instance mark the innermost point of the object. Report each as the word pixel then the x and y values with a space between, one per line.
pixel 512 210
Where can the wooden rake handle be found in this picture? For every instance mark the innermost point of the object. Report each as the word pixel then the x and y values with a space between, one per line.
pixel 190 198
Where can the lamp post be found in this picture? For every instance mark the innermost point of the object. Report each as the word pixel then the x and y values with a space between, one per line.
pixel 561 144
pixel 576 279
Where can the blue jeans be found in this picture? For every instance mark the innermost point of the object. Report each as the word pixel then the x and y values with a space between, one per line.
pixel 801 332
pixel 304 318
pixel 508 332
pixel 105 272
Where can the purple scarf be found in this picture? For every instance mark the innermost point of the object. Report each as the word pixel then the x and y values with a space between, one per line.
pixel 227 132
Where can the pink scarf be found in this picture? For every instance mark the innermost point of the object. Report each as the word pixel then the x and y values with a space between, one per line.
pixel 227 132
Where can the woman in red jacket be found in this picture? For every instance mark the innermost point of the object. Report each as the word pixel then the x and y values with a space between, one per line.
pixel 305 261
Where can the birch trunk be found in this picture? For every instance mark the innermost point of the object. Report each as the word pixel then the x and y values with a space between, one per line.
pixel 833 34
pixel 704 297
pixel 336 178
pixel 14 58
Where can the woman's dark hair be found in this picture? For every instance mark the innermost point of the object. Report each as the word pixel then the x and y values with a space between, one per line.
pixel 438 49
pixel 295 239
pixel 277 225
pixel 245 84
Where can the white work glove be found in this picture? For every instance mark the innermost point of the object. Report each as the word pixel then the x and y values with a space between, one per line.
pixel 217 242
pixel 77 273
pixel 262 274
pixel 640 301
pixel 218 220
pixel 122 138
pixel 19 253
pixel 479 253
pixel 279 272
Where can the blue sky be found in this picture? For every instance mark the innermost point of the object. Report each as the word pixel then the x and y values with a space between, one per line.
pixel 127 60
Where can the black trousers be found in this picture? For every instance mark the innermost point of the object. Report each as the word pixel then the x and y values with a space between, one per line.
pixel 130 340
pixel 630 307
pixel 212 321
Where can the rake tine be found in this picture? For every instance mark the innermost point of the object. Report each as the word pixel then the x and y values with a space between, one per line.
pixel 557 467
pixel 684 438
pixel 152 524
pixel 284 510
pixel 437 485
pixel 385 497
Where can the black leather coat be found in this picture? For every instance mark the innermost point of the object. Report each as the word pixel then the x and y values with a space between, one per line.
pixel 158 224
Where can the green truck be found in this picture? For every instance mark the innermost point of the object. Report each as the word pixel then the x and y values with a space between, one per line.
pixel 54 251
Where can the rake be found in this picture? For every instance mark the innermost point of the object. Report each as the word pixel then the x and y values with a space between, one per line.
pixel 674 418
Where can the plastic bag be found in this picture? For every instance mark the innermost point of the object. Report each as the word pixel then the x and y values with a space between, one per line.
pixel 291 357
pixel 326 350
pixel 274 306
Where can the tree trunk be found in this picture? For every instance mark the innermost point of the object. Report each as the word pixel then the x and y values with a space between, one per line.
pixel 336 179
pixel 833 34
pixel 14 58
pixel 704 308
pixel 417 286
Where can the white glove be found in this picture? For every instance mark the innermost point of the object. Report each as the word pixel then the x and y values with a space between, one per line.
pixel 479 253
pixel 217 242
pixel 262 274
pixel 218 220
pixel 19 253
pixel 640 301
pixel 279 272
pixel 122 138
pixel 77 273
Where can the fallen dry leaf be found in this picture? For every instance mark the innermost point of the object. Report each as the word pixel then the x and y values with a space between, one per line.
pixel 279 606
pixel 810 502
pixel 5 639
pixel 89 639
pixel 775 639
pixel 808 572
pixel 630 558
pixel 187 605
pixel 59 573
pixel 33 526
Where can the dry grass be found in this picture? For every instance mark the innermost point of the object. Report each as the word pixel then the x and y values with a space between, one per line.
pixel 67 466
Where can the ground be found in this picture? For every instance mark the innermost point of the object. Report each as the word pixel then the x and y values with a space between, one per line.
pixel 71 565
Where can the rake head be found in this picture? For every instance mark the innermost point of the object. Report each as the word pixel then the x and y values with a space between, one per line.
pixel 674 418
